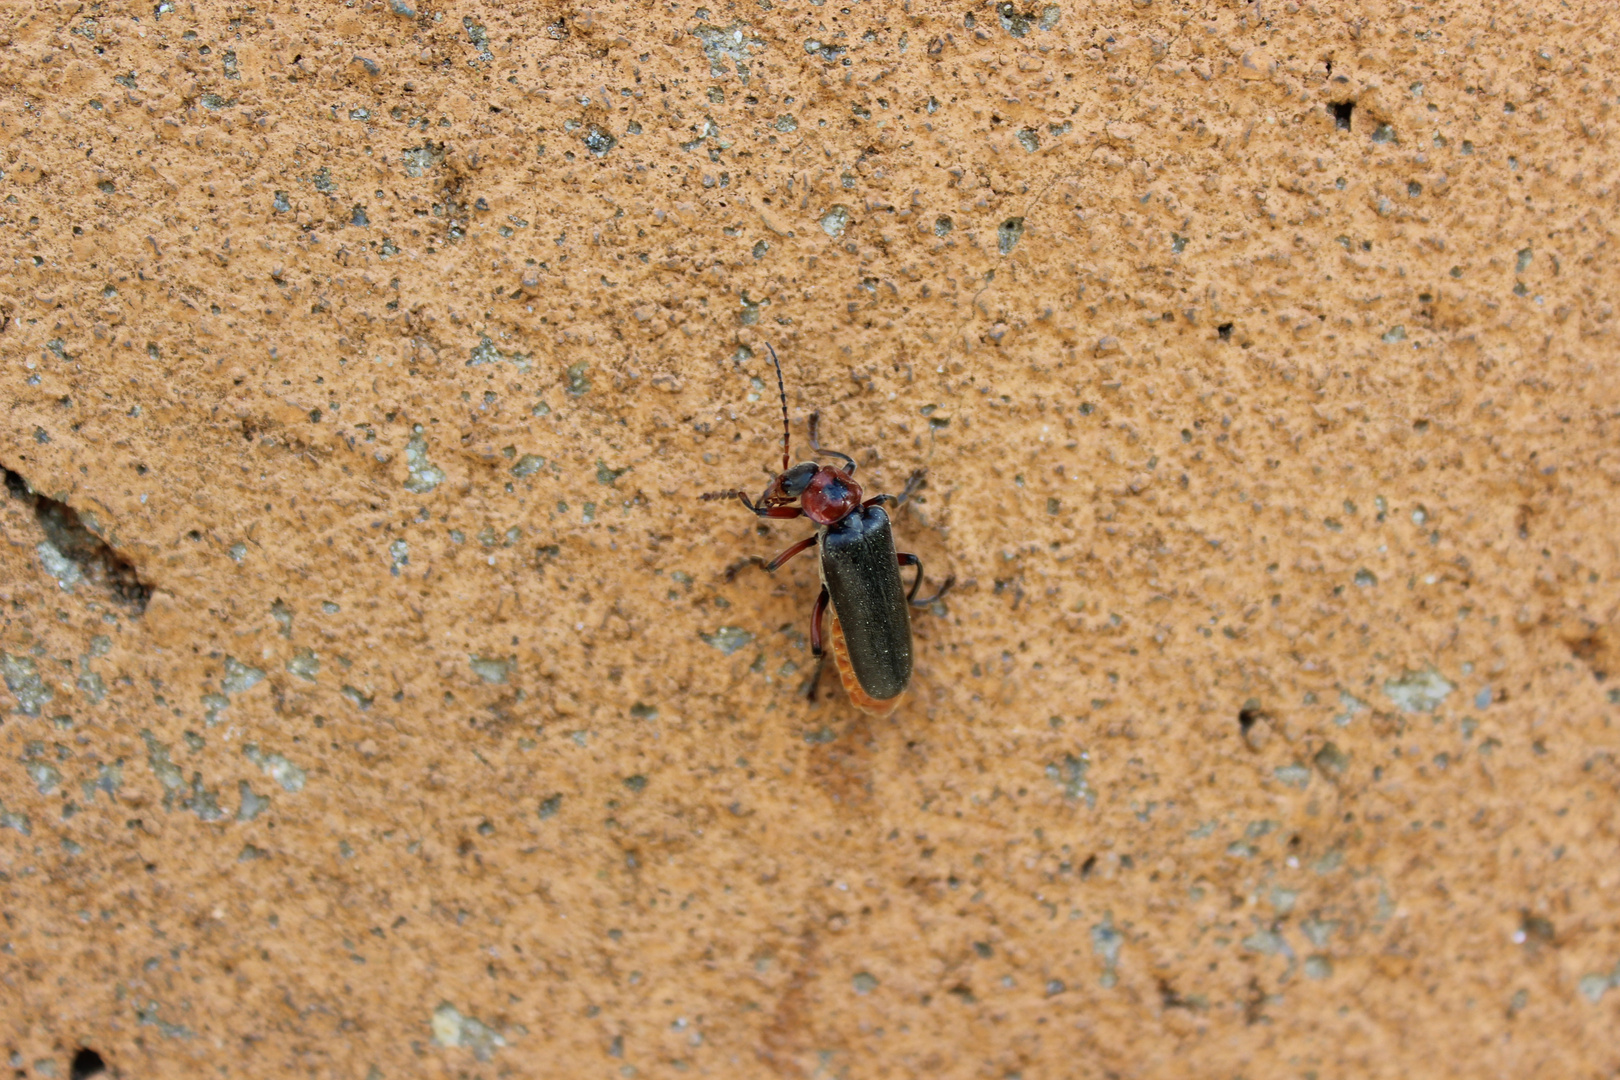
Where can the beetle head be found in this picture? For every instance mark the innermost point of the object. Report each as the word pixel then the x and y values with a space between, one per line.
pixel 791 484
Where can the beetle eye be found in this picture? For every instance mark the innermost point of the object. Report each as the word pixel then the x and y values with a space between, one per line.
pixel 795 480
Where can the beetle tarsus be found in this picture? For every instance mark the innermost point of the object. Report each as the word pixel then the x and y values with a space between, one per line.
pixel 939 595
pixel 751 560
pixel 913 482
pixel 810 684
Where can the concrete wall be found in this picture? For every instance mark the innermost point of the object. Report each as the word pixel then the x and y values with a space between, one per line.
pixel 378 704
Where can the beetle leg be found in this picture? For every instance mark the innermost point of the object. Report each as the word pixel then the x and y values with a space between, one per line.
pixel 815 643
pixel 815 444
pixel 765 510
pixel 788 553
pixel 775 564
pixel 906 558
pixel 760 509
pixel 876 499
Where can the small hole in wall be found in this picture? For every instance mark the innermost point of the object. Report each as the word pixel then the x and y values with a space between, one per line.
pixel 1341 114
pixel 1224 331
pixel 86 1064
pixel 1247 718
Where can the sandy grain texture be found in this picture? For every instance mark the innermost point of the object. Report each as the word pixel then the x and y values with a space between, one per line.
pixel 377 705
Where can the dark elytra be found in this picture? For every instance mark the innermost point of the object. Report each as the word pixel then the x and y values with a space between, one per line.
pixel 861 571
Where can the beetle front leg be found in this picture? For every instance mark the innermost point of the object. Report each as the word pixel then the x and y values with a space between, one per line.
pixel 766 511
pixel 760 509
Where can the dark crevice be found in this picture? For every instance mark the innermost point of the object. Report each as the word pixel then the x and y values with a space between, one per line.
pixel 1341 114
pixel 98 562
pixel 1254 1009
pixel 86 1063
pixel 1537 930
pixel 1170 998
pixel 1224 331
pixel 1596 651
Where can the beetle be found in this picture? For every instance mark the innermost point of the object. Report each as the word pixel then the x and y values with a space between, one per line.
pixel 859 565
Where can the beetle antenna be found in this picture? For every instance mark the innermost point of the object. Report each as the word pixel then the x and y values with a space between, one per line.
pixel 782 390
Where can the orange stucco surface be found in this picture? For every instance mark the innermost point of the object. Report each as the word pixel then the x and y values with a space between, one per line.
pixel 377 704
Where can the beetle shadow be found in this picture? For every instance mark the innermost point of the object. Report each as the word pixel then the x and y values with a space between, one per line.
pixel 842 768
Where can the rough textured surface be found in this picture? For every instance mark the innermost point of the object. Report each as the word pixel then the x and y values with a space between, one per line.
pixel 405 724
